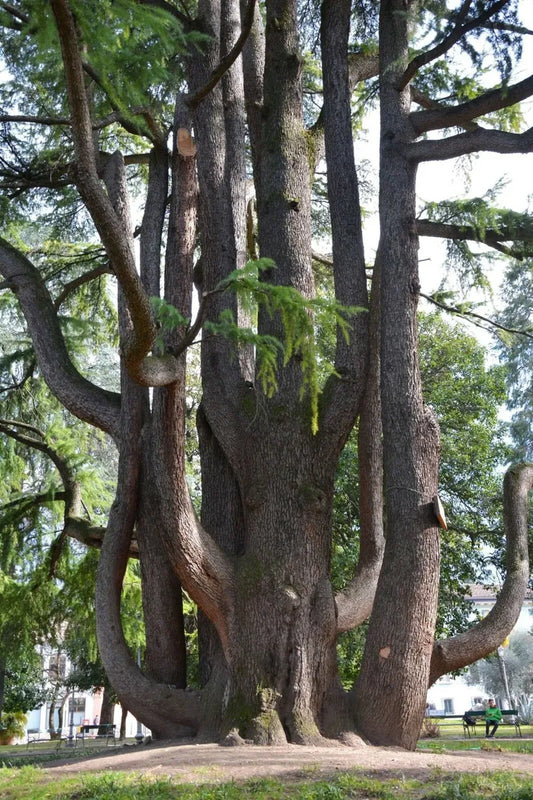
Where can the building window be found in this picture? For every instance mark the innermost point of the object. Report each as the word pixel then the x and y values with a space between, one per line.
pixel 77 705
pixel 448 706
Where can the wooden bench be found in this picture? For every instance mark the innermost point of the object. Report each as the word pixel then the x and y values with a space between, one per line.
pixel 97 733
pixel 509 717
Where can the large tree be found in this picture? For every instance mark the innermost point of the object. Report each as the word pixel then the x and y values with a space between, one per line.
pixel 257 563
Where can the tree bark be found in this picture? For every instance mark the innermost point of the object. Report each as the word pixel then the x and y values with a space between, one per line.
pixel 485 637
pixel 391 690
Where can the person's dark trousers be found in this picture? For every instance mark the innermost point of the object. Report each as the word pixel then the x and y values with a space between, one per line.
pixel 494 728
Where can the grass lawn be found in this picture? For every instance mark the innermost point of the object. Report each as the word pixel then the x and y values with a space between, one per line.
pixel 31 783
pixel 451 737
pixel 21 780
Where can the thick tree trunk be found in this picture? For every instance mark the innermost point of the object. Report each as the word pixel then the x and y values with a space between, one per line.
pixel 282 625
pixel 391 690
pixel 107 715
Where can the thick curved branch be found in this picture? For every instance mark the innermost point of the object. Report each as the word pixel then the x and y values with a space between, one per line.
pixel 81 397
pixel 354 604
pixel 428 103
pixel 483 639
pixel 170 711
pixel 145 370
pixel 99 205
pixel 472 142
pixel 490 237
pixel 455 116
pixel 204 570
pixel 228 60
pixel 460 29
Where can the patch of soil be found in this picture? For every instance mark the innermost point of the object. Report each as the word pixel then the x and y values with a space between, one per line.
pixel 211 763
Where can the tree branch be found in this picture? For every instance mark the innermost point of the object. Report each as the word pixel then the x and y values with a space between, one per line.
pixel 483 639
pixel 508 26
pixel 17 14
pixel 505 96
pixel 471 315
pixel 71 495
pixel 156 135
pixel 490 237
pixel 226 62
pixel 34 119
pixel 460 29
pixel 87 277
pixel 480 140
pixel 81 397
pixel 117 242
pixel 433 105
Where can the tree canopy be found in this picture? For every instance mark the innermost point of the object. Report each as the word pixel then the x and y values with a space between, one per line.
pixel 167 169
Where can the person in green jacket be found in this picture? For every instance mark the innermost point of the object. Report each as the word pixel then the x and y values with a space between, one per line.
pixel 493 716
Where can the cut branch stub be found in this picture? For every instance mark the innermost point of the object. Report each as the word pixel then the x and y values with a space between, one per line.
pixel 186 144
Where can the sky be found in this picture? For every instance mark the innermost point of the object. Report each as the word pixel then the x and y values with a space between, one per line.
pixel 451 179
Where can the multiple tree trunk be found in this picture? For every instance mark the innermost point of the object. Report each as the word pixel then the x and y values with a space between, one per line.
pixel 258 561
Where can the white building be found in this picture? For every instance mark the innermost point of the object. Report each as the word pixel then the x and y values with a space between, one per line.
pixel 453 695
pixel 71 708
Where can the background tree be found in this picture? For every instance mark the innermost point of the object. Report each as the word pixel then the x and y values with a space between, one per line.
pixel 516 352
pixel 518 669
pixel 270 432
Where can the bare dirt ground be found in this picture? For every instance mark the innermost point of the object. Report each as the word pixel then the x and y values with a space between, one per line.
pixel 211 763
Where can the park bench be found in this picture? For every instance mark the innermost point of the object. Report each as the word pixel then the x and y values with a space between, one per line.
pixel 35 735
pixel 97 733
pixel 509 717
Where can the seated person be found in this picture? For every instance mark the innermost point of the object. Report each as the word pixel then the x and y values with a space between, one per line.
pixel 493 717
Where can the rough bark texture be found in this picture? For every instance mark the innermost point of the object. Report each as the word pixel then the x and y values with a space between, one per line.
pixel 395 666
pixel 487 636
pixel 258 562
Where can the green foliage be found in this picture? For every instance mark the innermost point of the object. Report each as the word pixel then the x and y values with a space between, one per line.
pixel 501 42
pixel 516 353
pixel 12 724
pixel 481 216
pixel 298 315
pixel 79 635
pixel 25 685
pixel 300 318
pixel 518 666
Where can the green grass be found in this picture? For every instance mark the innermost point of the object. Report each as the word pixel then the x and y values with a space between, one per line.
pixel 441 745
pixel 24 776
pixel 31 783
pixel 452 738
